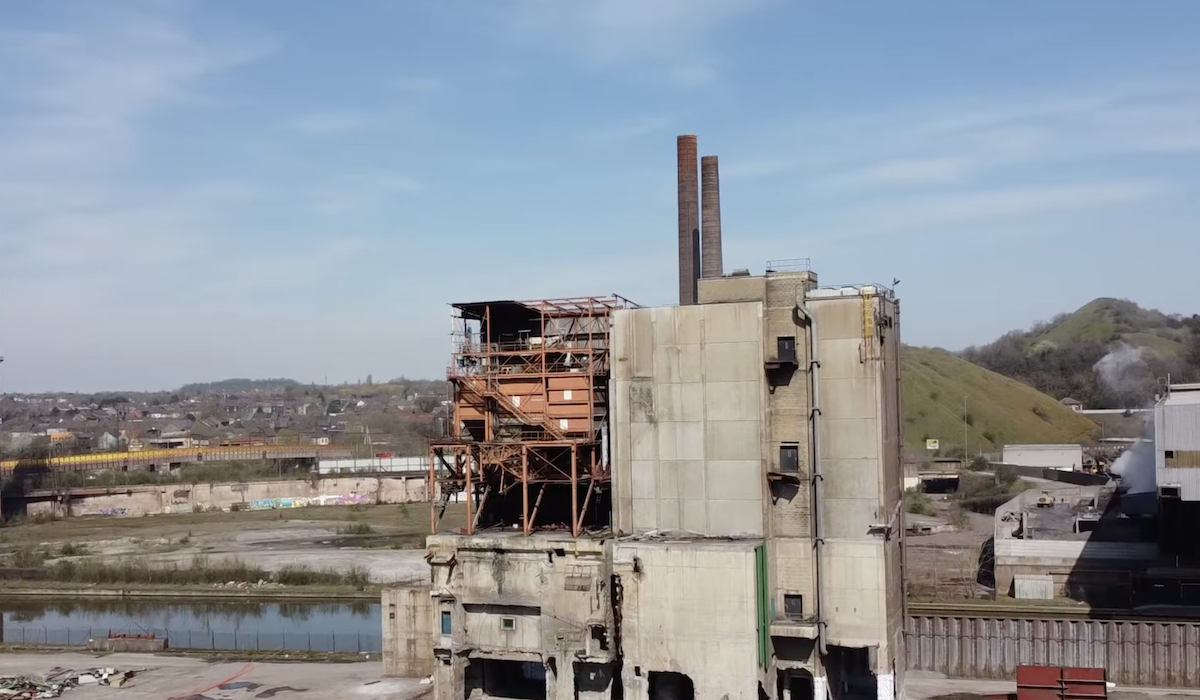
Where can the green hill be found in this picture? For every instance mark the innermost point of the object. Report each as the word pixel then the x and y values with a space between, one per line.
pixel 999 410
pixel 1110 353
pixel 1108 320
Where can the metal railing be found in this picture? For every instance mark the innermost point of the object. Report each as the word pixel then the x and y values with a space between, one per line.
pixel 339 642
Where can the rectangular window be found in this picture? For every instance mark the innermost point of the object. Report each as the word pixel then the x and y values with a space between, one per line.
pixel 508 624
pixel 793 606
pixel 789 459
pixel 445 622
pixel 785 349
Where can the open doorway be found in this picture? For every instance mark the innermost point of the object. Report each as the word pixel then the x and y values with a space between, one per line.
pixel 499 678
pixel 795 684
pixel 669 685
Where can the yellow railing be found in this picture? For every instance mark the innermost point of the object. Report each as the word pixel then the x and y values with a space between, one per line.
pixel 182 454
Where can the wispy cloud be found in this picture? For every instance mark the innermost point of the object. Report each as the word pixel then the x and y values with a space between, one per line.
pixel 668 36
pixel 333 123
pixel 357 191
pixel 629 130
pixel 419 83
pixel 74 214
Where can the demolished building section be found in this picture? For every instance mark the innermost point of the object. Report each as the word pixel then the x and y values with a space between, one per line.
pixel 724 519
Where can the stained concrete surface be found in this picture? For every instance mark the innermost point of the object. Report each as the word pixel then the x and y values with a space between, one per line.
pixel 177 678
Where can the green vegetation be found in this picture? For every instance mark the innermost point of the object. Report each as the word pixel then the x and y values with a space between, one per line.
pixel 999 410
pixel 918 502
pixel 356 528
pixel 983 493
pixel 1060 357
pixel 200 571
pixel 208 473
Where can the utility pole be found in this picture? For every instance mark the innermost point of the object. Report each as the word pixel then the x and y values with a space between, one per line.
pixel 964 420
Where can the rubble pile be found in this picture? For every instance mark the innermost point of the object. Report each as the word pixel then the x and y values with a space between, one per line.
pixel 57 680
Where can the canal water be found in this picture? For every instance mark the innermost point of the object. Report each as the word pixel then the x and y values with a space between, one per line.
pixel 276 625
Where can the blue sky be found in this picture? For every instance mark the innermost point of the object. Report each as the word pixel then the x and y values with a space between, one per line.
pixel 195 190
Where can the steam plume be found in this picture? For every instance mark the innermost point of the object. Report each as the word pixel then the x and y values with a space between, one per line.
pixel 1122 371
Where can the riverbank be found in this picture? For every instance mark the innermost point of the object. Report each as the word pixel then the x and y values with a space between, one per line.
pixel 385 542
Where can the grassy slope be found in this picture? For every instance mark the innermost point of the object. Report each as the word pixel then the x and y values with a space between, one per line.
pixel 1002 409
pixel 1107 319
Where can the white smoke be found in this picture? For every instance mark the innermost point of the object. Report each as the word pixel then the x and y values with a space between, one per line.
pixel 1122 371
pixel 1135 466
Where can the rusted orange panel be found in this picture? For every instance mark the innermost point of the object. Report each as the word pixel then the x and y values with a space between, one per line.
pixel 569 395
pixel 568 410
pixel 519 387
pixel 580 382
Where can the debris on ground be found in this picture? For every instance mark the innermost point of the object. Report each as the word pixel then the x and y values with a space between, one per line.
pixel 57 680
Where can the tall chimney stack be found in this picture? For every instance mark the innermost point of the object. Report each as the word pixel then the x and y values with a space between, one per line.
pixel 710 222
pixel 689 220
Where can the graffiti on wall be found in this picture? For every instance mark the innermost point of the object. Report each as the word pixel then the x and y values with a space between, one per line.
pixel 112 511
pixel 331 500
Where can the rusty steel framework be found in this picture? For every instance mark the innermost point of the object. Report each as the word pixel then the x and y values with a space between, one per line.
pixel 527 443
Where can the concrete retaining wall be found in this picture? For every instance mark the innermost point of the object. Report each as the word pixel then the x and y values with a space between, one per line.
pixel 253 495
pixel 1165 654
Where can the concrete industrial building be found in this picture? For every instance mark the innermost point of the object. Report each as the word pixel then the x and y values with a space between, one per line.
pixel 727 522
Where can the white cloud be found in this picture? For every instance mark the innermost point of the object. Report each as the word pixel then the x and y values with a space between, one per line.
pixel 671 38
pixel 85 233
pixel 419 83
pixel 630 129
pixel 332 123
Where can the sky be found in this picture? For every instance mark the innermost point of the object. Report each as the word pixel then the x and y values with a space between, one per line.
pixel 193 190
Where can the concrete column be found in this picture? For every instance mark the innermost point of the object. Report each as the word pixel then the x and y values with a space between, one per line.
pixel 885 687
pixel 820 688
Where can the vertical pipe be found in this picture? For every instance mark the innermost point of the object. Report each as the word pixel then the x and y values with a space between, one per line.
pixel 469 486
pixel 525 489
pixel 710 221
pixel 818 480
pixel 689 217
pixel 431 491
pixel 574 491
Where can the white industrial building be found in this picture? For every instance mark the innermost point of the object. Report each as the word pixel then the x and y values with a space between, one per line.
pixel 1064 457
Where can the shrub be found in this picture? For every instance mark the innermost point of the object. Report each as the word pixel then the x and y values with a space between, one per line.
pixel 918 503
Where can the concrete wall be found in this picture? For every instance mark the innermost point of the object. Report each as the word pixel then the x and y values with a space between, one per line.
pixel 862 519
pixel 786 423
pixel 1065 457
pixel 186 498
pixel 688 407
pixel 542 599
pixel 407 631
pixel 690 607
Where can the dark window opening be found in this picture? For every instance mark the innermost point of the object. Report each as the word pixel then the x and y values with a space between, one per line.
pixel 1169 454
pixel 520 680
pixel 789 459
pixel 669 685
pixel 446 622
pixel 785 349
pixel 800 687
pixel 508 624
pixel 793 606
pixel 600 636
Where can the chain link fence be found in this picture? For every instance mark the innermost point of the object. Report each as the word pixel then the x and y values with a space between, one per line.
pixel 341 642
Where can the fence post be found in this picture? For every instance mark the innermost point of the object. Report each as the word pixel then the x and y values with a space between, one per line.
pixel 212 637
pixel 310 640
pixel 359 636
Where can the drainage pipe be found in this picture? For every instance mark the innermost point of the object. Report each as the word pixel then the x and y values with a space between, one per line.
pixel 818 482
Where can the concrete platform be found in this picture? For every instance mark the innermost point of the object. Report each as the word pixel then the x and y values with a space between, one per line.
pixel 174 678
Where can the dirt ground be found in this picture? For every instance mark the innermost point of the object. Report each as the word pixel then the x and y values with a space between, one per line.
pixel 389 541
pixel 176 678
pixel 945 564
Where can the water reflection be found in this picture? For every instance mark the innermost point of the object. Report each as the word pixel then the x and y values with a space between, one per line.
pixel 284 625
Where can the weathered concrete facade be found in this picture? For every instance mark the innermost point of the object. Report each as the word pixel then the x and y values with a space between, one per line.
pixel 407 629
pixel 284 493
pixel 513 614
pixel 756 543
